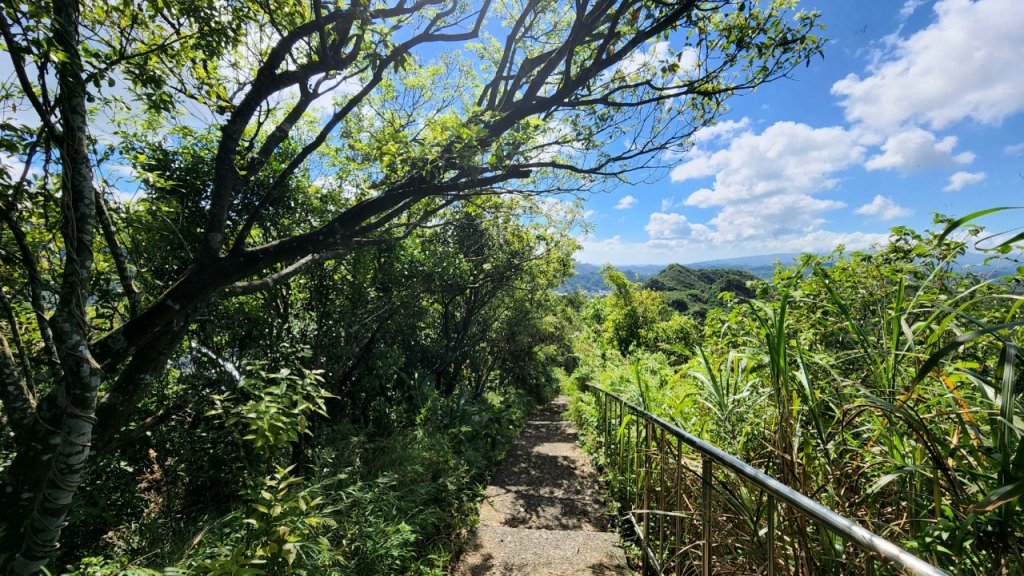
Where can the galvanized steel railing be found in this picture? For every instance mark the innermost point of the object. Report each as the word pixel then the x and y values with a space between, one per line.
pixel 665 507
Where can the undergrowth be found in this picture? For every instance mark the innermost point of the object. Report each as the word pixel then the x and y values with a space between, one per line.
pixel 357 504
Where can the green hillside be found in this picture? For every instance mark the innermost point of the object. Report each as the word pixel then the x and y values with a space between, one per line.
pixel 587 277
pixel 694 291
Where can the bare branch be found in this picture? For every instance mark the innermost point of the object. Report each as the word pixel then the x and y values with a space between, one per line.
pixel 17 60
pixel 119 255
pixel 278 278
pixel 35 281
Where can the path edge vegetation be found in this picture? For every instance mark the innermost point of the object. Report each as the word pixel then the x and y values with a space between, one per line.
pixel 885 384
pixel 91 325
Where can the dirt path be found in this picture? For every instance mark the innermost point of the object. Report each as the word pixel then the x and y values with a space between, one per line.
pixel 543 514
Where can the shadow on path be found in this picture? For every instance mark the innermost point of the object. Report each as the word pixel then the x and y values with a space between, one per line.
pixel 543 513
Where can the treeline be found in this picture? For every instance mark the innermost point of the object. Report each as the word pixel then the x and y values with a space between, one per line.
pixel 886 384
pixel 347 419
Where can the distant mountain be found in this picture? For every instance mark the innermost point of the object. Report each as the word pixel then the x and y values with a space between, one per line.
pixel 762 266
pixel 695 290
pixel 588 277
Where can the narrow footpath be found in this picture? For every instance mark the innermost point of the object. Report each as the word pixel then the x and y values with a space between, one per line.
pixel 544 513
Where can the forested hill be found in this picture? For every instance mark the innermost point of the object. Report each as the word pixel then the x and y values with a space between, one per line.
pixel 694 291
pixel 587 277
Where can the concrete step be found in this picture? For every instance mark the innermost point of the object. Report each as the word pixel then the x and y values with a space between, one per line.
pixel 500 550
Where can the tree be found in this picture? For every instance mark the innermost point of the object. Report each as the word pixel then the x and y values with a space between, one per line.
pixel 560 97
pixel 632 313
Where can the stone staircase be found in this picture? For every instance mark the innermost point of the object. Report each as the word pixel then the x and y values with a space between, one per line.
pixel 544 513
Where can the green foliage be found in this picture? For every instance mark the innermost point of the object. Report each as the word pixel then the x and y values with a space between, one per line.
pixel 367 183
pixel 885 384
pixel 359 442
pixel 694 291
pixel 275 410
pixel 631 313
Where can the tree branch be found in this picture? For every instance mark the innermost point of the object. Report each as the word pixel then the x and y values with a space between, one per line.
pixel 18 400
pixel 119 254
pixel 14 50
pixel 35 282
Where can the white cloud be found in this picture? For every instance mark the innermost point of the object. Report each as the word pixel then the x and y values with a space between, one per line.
pixel 1014 150
pixel 784 215
pixel 787 158
pixel 673 226
pixel 909 7
pixel 615 250
pixel 645 60
pixel 884 209
pixel 722 130
pixel 956 68
pixel 917 149
pixel 962 179
pixel 667 203
pixel 625 202
pixel 650 61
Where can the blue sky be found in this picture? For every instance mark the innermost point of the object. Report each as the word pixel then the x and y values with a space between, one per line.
pixel 917 107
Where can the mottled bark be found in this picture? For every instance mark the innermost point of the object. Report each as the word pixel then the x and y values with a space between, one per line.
pixel 81 375
pixel 134 382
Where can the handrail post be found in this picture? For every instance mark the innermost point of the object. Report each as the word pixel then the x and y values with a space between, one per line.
pixel 636 459
pixel 677 535
pixel 705 497
pixel 646 499
pixel 604 422
pixel 771 535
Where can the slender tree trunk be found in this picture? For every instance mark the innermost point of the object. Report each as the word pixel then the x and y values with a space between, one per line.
pixel 65 466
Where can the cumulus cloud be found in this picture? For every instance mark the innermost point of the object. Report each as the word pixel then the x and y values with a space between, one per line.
pixel 884 208
pixel 784 215
pixel 954 69
pixel 652 60
pixel 673 226
pixel 917 149
pixel 786 158
pixel 625 202
pixel 962 179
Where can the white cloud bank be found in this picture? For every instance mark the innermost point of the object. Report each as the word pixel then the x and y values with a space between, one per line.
pixel 917 149
pixel 787 158
pixel 957 68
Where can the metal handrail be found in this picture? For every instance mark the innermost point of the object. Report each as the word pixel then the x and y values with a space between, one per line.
pixel 841 525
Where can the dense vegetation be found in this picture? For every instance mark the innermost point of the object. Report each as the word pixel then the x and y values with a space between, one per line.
pixel 275 274
pixel 885 384
pixel 349 422
pixel 695 291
